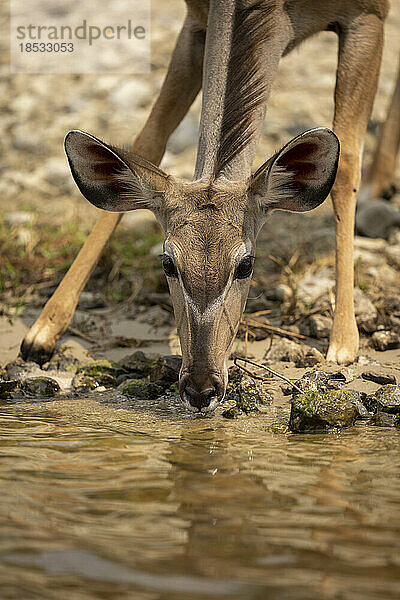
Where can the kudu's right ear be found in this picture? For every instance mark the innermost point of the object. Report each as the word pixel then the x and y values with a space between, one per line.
pixel 113 179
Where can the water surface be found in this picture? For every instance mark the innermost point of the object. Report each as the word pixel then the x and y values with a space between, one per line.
pixel 102 498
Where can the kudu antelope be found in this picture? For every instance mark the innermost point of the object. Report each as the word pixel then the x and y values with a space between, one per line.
pixel 230 48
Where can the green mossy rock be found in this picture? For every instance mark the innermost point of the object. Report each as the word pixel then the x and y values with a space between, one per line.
pixel 85 383
pixel 243 395
pixel 90 376
pixel 7 388
pixel 40 387
pixel 140 390
pixel 386 400
pixel 99 368
pixel 315 411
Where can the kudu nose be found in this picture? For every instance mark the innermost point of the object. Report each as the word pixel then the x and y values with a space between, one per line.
pixel 200 399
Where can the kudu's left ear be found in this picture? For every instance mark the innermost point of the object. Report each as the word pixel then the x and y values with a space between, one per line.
pixel 301 175
pixel 113 179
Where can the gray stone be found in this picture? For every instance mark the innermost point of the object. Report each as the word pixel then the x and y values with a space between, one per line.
pixel 381 378
pixel 315 285
pixel 315 411
pixel 385 340
pixel 316 326
pixel 7 388
pixel 391 305
pixel 320 381
pixel 138 364
pixel 17 218
pixel 40 387
pixel 381 419
pixel 131 93
pixel 365 311
pixel 377 218
pixel 312 357
pixel 386 399
pixel 393 256
pixel 285 350
pixel 91 300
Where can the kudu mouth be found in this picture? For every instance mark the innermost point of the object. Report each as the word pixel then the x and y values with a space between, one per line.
pixel 201 392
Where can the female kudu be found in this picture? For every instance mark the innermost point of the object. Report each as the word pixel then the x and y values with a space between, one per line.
pixel 232 49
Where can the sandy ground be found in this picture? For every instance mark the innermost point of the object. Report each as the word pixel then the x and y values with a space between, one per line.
pixel 37 110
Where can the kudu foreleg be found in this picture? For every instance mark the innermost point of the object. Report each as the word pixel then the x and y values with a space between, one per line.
pixel 360 48
pixel 181 86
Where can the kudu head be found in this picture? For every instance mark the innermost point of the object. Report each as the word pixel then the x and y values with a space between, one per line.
pixel 210 233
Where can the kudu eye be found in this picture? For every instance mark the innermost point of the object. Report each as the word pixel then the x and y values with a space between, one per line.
pixel 244 268
pixel 169 266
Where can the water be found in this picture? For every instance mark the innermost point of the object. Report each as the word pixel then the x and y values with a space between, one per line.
pixel 105 499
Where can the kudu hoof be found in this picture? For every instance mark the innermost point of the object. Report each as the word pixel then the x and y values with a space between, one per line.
pixel 37 348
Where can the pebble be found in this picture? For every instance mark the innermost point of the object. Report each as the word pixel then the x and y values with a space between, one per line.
pixel 17 218
pixel 316 326
pixel 377 218
pixel 385 340
pixel 381 378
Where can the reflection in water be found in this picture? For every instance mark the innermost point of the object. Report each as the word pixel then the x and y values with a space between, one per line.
pixel 106 499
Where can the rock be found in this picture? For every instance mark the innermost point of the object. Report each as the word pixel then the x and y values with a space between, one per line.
pixel 131 93
pixel 138 365
pixel 285 350
pixel 18 218
pixel 85 383
pixel 244 395
pixel 381 378
pixel 61 361
pixel 281 293
pixel 315 285
pixel 392 254
pixel 40 387
pixel 56 172
pixel 391 305
pixel 376 219
pixel 311 358
pixel 139 220
pixel 91 300
pixel 19 370
pixel 386 399
pixel 385 340
pixel 319 381
pixel 365 311
pixel 90 376
pixel 7 388
pixel 165 371
pixel 314 411
pixel 140 390
pixel 381 419
pixel 316 326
